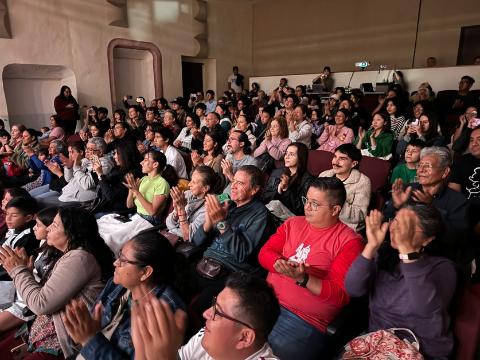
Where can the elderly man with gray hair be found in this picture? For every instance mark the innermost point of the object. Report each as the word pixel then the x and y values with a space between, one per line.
pixel 78 172
pixel 431 188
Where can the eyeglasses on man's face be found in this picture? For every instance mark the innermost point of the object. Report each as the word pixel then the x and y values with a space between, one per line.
pixel 313 204
pixel 225 316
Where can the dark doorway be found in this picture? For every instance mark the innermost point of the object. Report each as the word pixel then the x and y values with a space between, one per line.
pixel 192 75
pixel 469 46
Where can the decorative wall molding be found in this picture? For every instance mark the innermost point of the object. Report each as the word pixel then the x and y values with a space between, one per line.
pixel 5 30
pixel 122 5
pixel 137 45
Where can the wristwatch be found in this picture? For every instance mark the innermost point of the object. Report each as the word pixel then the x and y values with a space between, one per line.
pixel 410 256
pixel 304 282
pixel 221 225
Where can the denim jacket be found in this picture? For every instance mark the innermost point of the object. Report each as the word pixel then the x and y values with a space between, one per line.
pixel 120 345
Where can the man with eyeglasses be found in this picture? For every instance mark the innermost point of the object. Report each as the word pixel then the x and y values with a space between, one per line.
pixel 307 260
pixel 235 230
pixel 433 172
pixel 238 323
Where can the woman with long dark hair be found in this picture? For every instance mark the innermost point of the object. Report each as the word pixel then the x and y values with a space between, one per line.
pixel 67 108
pixel 378 140
pixel 408 288
pixel 80 273
pixel 111 194
pixel 145 266
pixel 290 183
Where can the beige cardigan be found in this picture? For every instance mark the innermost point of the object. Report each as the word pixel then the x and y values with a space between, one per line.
pixel 75 275
pixel 359 191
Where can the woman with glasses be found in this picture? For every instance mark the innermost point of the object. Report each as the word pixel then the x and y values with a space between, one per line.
pixel 407 287
pixel 80 273
pixel 288 184
pixel 144 267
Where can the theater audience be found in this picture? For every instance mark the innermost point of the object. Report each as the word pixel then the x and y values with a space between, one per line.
pixel 335 135
pixel 345 162
pixel 164 138
pixel 144 266
pixel 66 108
pixel 189 208
pixel 288 184
pixel 147 195
pixel 307 260
pixel 407 287
pixel 300 130
pixel 378 140
pixel 74 233
pixel 433 171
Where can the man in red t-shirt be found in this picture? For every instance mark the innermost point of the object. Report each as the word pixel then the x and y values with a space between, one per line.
pixel 307 260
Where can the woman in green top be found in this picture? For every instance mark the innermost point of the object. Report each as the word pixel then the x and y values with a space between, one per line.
pixel 378 140
pixel 150 193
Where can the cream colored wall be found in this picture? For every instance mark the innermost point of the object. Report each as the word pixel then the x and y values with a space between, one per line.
pixel 301 37
pixel 133 74
pixel 76 34
pixel 229 31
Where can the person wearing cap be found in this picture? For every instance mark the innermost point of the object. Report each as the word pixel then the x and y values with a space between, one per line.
pixel 178 104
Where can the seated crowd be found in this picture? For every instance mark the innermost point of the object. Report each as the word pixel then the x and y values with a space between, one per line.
pixel 196 229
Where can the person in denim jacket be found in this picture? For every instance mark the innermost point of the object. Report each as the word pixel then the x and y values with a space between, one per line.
pixel 144 266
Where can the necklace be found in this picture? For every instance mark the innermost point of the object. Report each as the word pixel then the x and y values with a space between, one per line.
pixel 149 292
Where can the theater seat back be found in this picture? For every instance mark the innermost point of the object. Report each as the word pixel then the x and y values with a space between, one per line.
pixel 318 161
pixel 378 171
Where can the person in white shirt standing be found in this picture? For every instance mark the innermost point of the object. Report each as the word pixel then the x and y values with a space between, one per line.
pixel 235 81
